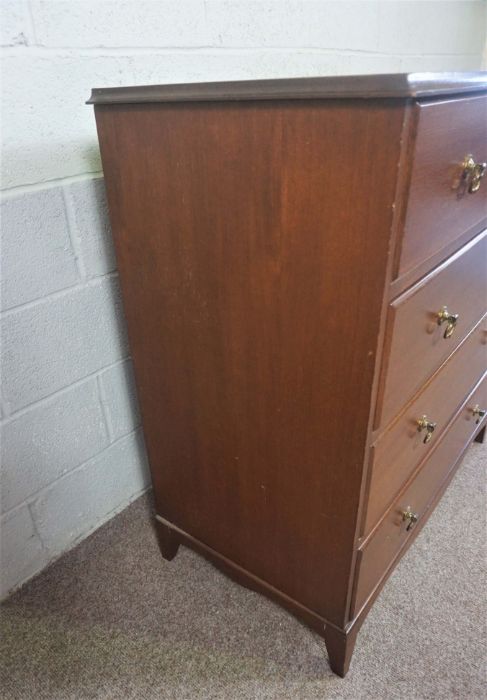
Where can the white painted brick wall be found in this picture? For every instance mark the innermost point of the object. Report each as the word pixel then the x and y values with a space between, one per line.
pixel 140 24
pixel 37 258
pixel 62 511
pixel 90 228
pixel 72 451
pixel 67 47
pixel 21 549
pixel 61 339
pixel 118 395
pixel 51 438
pixel 72 454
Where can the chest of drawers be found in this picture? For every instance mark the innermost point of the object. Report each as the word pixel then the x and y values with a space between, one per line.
pixel 303 269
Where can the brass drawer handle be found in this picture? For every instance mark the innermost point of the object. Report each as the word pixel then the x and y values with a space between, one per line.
pixel 444 316
pixel 478 413
pixel 409 517
pixel 425 424
pixel 473 173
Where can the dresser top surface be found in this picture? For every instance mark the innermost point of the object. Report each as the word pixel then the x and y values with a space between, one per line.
pixel 391 85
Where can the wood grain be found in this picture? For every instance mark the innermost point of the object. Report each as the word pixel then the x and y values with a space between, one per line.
pixel 258 229
pixel 416 346
pixel 400 449
pixel 440 208
pixel 238 229
pixel 377 554
pixel 396 85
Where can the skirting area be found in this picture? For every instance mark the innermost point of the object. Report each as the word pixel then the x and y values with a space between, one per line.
pixel 111 619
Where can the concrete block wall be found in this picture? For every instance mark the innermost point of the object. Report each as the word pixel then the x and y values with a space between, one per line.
pixel 72 450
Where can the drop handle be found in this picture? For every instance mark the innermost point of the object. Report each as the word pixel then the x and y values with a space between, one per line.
pixel 409 517
pixel 444 316
pixel 424 423
pixel 472 173
pixel 478 413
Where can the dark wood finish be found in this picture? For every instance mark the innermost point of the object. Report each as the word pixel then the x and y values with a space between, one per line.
pixel 167 539
pixel 440 208
pixel 258 229
pixel 247 579
pixel 381 549
pixel 399 449
pixel 340 645
pixel 401 284
pixel 331 87
pixel 480 437
pixel 461 285
pixel 235 355
pixel 361 614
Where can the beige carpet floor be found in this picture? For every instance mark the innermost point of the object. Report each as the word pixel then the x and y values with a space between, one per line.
pixel 111 619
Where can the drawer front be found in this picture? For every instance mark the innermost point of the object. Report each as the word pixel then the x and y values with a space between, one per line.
pixel 399 449
pixel 415 344
pixel 440 208
pixel 381 550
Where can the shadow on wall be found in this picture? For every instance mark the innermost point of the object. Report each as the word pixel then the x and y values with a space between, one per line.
pixel 72 447
pixel 40 163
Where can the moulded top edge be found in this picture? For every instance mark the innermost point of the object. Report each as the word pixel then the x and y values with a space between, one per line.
pixel 387 85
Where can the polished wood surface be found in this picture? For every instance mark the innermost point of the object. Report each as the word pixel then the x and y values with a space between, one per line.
pixel 171 537
pixel 379 552
pixel 396 85
pixel 399 449
pixel 401 284
pixel 231 302
pixel 361 613
pixel 461 285
pixel 258 228
pixel 440 208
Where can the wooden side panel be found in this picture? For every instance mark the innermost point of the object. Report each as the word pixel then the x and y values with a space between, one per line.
pixel 252 242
